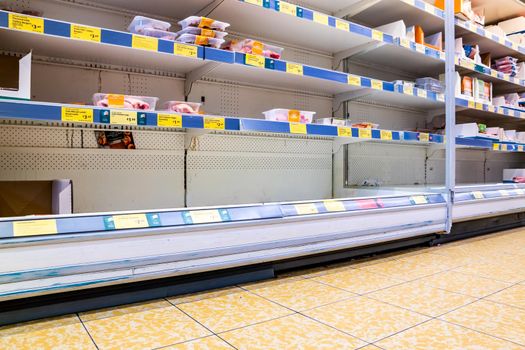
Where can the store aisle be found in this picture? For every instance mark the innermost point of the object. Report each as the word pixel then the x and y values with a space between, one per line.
pixel 465 295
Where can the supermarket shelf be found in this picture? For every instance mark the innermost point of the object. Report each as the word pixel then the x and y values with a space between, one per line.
pixel 502 82
pixel 489 145
pixel 85 115
pixel 113 47
pixel 148 245
pixel 489 112
pixel 496 11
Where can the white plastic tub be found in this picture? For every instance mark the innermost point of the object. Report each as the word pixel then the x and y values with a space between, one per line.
pixel 182 107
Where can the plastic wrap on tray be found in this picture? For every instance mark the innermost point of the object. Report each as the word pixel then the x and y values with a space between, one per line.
pixel 289 115
pixel 210 33
pixel 143 103
pixel 203 22
pixel 182 107
pixel 140 23
pixel 161 34
pixel 365 125
pixel 254 47
pixel 200 40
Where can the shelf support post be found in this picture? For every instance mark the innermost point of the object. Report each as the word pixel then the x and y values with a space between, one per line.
pixel 197 74
pixel 450 109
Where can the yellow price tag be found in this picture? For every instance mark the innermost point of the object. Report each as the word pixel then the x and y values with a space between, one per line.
pixel 298 128
pixel 205 216
pixel 294 68
pixel 504 147
pixel 77 115
pixel 321 18
pixel 419 199
pixel 492 108
pixel 214 123
pixel 354 80
pixel 520 148
pixel 504 193
pixel 145 43
pixel 306 209
pixel 441 97
pixel 424 137
pixel 34 228
pixel 420 48
pixel 26 23
pixel 502 40
pixel 405 42
pixel 471 104
pixel 377 35
pixel 365 133
pixel 169 120
pixel 85 33
pixel 334 206
pixel 479 106
pixel 408 90
pixel 429 8
pixel 377 84
pixel 123 117
pixel 185 50
pixel 289 9
pixel 495 146
pixel 386 135
pixel 254 2
pixel 255 60
pixel 344 132
pixel 123 222
pixel 421 93
pixel 478 195
pixel 342 25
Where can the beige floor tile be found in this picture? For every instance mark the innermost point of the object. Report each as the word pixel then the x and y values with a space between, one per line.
pixel 402 270
pixel 439 335
pixel 188 298
pixel 499 320
pixel 358 280
pixel 436 260
pixel 123 310
pixel 238 308
pixel 291 332
pixel 499 272
pixel 208 343
pixel 365 318
pixel 144 329
pixel 513 296
pixel 298 294
pixel 58 333
pixel 419 297
pixel 467 284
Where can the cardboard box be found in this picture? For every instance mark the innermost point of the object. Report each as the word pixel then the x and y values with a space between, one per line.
pixel 15 77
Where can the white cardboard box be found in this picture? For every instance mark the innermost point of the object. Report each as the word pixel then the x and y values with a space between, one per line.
pixel 24 81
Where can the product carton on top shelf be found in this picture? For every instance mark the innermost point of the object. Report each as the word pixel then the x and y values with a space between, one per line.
pixel 15 77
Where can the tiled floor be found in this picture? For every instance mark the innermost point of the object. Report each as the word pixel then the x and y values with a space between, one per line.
pixel 469 295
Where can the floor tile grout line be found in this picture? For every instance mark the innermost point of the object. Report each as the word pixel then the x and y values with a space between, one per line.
pixel 198 322
pixel 482 332
pixel 183 342
pixel 87 331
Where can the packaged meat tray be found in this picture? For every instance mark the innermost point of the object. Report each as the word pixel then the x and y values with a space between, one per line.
pixel 210 33
pixel 289 115
pixel 332 121
pixel 200 40
pixel 140 23
pixel 142 103
pixel 182 107
pixel 203 22
pixel 254 47
pixel 161 34
pixel 365 125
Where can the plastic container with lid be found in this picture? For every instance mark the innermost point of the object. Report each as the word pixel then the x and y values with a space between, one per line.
pixel 182 107
pixel 332 121
pixel 289 115
pixel 203 32
pixel 161 34
pixel 203 22
pixel 200 40
pixel 254 47
pixel 143 103
pixel 140 23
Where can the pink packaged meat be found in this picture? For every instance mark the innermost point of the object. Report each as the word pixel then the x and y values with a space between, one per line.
pixel 182 107
pixel 254 47
pixel 142 103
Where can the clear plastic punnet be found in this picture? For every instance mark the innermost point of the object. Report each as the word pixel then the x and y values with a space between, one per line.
pixel 289 115
pixel 200 40
pixel 203 32
pixel 143 103
pixel 140 23
pixel 182 107
pixel 203 22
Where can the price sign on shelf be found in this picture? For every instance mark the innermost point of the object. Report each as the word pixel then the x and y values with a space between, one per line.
pixel 77 115
pixel 504 193
pixel 354 80
pixel 408 90
pixel 169 120
pixel 478 195
pixel 306 209
pixel 344 131
pixel 298 128
pixel 294 68
pixel 421 93
pixel 85 33
pixel 185 50
pixel 405 42
pixel 342 25
pixel 495 146
pixel 365 133
pixel 334 206
pixel 145 43
pixel 205 216
pixel 255 60
pixel 34 228
pixel 123 117
pixel 289 9
pixel 320 18
pixel 377 84
pixel 214 123
pixel 419 199
pixel 386 135
pixel 129 221
pixel 26 23
pixel 377 35
pixel 424 137
pixel 254 2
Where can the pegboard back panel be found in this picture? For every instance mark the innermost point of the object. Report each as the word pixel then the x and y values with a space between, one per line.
pixel 385 164
pixel 388 117
pixel 103 180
